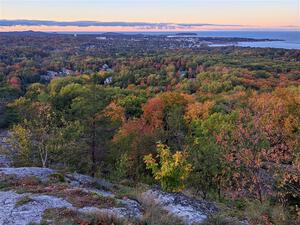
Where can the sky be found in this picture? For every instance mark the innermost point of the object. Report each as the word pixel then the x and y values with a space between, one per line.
pixel 157 14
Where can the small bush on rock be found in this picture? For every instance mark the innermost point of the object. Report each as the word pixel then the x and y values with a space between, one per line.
pixel 171 170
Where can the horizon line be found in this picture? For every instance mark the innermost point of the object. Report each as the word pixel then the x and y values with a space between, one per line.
pixel 7 25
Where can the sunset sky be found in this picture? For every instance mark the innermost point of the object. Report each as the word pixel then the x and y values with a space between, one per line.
pixel 218 14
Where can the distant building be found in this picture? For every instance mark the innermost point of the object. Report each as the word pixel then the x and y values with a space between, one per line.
pixel 88 71
pixel 108 80
pixel 105 67
pixel 67 71
pixel 51 73
pixel 101 38
pixel 182 74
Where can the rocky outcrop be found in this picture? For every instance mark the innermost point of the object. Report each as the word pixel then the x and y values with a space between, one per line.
pixel 77 180
pixel 189 210
pixel 45 174
pixel 5 161
pixel 42 174
pixel 58 190
pixel 131 210
pixel 22 209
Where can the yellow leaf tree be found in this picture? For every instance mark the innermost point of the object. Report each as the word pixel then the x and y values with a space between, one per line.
pixel 170 170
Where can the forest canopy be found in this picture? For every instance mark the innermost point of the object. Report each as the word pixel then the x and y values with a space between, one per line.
pixel 224 122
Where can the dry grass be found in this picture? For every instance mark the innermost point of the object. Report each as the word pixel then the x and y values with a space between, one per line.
pixel 154 215
pixel 80 198
pixel 71 217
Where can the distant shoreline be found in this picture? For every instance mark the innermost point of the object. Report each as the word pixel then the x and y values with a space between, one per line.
pixel 282 40
pixel 124 34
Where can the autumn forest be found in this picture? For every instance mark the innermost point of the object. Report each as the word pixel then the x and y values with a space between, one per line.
pixel 222 123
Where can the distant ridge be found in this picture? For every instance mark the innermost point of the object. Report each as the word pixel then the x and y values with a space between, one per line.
pixel 186 34
pixel 116 34
pixel 28 33
pixel 112 34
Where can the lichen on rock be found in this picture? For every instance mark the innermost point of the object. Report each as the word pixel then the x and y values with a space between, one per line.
pixel 32 211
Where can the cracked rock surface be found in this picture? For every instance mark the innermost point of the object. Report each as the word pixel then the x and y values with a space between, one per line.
pixel 14 212
pixel 23 209
pixel 131 209
pixel 190 211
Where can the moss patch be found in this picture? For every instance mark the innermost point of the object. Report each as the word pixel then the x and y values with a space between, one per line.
pixel 23 201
